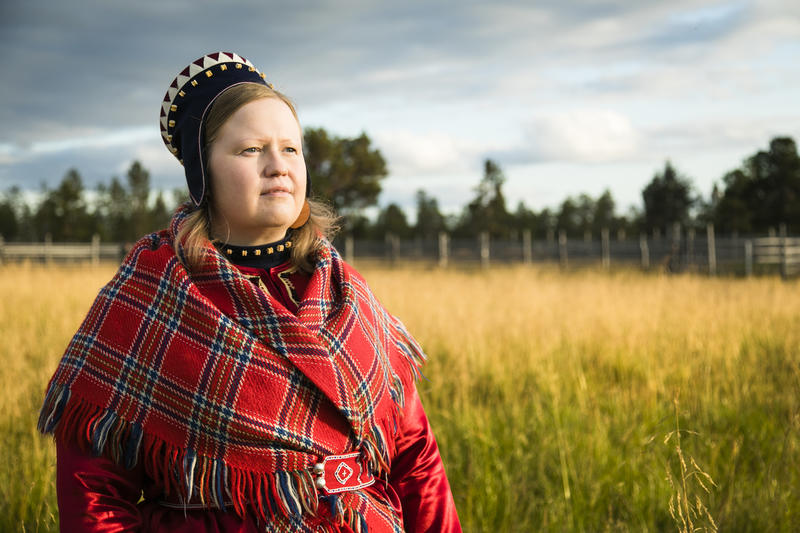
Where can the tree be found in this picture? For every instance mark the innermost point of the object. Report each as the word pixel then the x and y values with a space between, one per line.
pixel 392 220
pixel 139 196
pixel 118 211
pixel 346 172
pixel 126 214
pixel 575 215
pixel 603 214
pixel 667 200
pixel 585 208
pixel 524 218
pixel 159 214
pixel 764 192
pixel 548 220
pixel 180 195
pixel 10 214
pixel 568 218
pixel 487 211
pixel 361 227
pixel 429 219
pixel 63 213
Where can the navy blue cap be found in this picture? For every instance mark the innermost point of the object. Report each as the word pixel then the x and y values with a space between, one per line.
pixel 186 105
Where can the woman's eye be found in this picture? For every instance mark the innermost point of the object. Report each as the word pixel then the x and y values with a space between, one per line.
pixel 291 149
pixel 251 150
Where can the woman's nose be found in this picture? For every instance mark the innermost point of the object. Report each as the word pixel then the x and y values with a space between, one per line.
pixel 274 165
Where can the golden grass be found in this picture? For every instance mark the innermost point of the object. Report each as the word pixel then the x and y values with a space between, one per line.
pixel 583 401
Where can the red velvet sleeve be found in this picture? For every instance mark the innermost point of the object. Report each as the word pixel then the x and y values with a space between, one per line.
pixel 418 476
pixel 95 494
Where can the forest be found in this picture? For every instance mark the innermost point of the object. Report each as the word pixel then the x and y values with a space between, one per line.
pixel 758 196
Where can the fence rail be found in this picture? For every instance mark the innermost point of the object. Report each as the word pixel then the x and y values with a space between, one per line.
pixel 684 251
pixel 48 251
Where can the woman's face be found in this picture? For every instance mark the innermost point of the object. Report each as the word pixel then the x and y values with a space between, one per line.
pixel 258 175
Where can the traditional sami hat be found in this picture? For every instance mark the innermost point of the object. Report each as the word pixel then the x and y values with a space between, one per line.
pixel 186 104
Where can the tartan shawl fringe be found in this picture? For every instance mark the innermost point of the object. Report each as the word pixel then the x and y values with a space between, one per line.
pixel 183 473
pixel 118 423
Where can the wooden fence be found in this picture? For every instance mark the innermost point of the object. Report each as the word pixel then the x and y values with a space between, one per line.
pixel 683 251
pixel 49 252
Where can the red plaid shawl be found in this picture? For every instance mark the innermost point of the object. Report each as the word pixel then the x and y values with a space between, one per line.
pixel 224 393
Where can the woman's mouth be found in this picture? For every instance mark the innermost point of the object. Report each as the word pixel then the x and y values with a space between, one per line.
pixel 276 191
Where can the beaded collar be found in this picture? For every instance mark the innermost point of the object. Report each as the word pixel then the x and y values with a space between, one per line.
pixel 264 256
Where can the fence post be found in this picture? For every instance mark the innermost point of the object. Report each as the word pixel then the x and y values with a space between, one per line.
pixel 675 248
pixel 690 247
pixel 712 250
pixel 392 247
pixel 562 249
pixel 48 245
pixel 349 249
pixel 527 251
pixel 551 242
pixel 748 258
pixel 784 251
pixel 645 251
pixel 604 237
pixel 484 237
pixel 444 249
pixel 95 249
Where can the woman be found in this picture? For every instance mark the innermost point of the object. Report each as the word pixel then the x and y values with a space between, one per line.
pixel 236 374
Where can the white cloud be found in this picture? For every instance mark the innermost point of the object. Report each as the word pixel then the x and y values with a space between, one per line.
pixel 560 86
pixel 155 157
pixel 79 141
pixel 588 135
pixel 720 134
pixel 7 154
pixel 104 139
pixel 414 153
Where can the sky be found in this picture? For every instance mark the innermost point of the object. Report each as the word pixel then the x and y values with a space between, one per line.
pixel 569 97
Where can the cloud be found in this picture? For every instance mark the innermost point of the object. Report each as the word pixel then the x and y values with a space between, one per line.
pixel 721 134
pixel 413 153
pixel 587 135
pixel 702 24
pixel 79 141
pixel 437 85
pixel 100 140
pixel 96 156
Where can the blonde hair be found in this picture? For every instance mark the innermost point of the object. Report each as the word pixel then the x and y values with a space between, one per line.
pixel 194 234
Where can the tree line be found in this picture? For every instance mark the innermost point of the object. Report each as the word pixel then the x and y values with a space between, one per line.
pixel 757 197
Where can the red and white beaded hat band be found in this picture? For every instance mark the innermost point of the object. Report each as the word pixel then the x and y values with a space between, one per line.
pixel 186 103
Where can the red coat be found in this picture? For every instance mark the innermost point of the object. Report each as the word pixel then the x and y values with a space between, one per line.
pixel 96 494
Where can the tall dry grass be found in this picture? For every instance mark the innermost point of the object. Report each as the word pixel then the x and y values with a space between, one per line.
pixel 40 309
pixel 584 401
pixel 553 396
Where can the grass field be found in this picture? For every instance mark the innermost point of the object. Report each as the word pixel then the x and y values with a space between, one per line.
pixel 584 401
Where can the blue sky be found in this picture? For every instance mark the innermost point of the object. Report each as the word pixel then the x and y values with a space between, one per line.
pixel 568 97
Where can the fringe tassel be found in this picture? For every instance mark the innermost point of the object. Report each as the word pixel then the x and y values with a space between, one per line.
pixel 218 497
pixel 133 445
pixel 54 402
pixel 289 496
pixel 345 516
pixel 333 501
pixel 183 473
pixel 189 462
